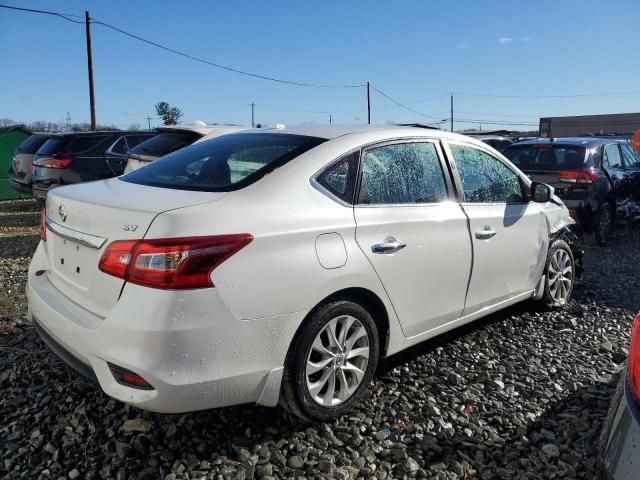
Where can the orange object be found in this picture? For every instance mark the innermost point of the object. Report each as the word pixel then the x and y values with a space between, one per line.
pixel 635 140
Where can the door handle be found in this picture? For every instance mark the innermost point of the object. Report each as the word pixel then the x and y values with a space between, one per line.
pixel 486 233
pixel 390 245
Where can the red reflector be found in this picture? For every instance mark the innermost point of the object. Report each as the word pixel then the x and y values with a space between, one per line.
pixel 579 176
pixel 173 263
pixel 54 163
pixel 43 225
pixel 134 379
pixel 633 365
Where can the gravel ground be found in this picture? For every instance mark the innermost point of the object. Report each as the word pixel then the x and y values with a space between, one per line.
pixel 521 394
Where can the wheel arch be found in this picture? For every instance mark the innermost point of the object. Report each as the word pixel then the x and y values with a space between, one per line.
pixel 370 301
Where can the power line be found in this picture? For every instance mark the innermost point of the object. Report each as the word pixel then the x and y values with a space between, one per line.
pixel 402 105
pixel 223 67
pixel 46 12
pixel 550 96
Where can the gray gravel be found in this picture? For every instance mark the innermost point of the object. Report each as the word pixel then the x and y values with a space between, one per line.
pixel 521 394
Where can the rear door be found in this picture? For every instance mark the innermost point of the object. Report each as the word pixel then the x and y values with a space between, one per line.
pixel 412 232
pixel 509 234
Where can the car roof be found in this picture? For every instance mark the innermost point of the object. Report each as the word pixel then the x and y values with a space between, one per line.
pixel 100 132
pixel 576 141
pixel 201 129
pixel 330 132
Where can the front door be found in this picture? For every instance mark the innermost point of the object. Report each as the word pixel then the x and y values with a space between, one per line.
pixel 509 234
pixel 413 234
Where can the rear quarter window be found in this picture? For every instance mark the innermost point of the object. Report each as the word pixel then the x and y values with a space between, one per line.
pixel 165 143
pixel 32 144
pixel 224 163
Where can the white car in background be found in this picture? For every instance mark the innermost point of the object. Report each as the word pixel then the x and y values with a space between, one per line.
pixel 278 265
pixel 172 138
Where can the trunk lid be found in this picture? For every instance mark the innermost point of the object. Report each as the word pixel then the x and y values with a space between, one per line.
pixel 84 218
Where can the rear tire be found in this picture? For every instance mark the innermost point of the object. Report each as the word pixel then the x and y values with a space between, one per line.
pixel 602 226
pixel 560 275
pixel 331 361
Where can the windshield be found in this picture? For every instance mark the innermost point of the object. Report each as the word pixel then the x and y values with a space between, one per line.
pixel 546 156
pixel 224 163
pixel 164 143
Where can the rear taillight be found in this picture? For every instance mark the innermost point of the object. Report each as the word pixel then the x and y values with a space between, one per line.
pixel 43 225
pixel 53 162
pixel 633 365
pixel 173 263
pixel 589 175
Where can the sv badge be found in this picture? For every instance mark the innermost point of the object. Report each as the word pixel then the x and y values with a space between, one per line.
pixel 129 228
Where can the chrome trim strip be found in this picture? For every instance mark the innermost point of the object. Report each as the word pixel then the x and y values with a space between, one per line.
pixel 85 239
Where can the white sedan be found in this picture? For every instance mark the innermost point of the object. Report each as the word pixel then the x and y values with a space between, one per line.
pixel 278 265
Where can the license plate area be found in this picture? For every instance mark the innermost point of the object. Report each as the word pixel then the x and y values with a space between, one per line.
pixel 72 261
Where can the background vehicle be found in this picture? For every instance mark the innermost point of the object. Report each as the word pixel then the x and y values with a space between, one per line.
pixel 590 175
pixel 496 141
pixel 281 263
pixel 69 158
pixel 619 447
pixel 20 174
pixel 170 139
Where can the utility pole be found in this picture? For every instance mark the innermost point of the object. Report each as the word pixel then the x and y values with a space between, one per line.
pixel 329 119
pixel 452 112
pixel 368 105
pixel 92 100
pixel 253 122
pixel 148 121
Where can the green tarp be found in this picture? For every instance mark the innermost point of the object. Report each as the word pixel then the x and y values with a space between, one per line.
pixel 10 139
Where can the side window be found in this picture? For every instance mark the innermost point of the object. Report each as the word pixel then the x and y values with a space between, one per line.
pixel 340 177
pixel 402 173
pixel 485 179
pixel 612 156
pixel 631 156
pixel 120 146
pixel 83 143
pixel 133 140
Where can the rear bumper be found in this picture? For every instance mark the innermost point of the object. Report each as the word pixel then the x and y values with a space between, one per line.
pixel 582 212
pixel 19 186
pixel 620 441
pixel 187 344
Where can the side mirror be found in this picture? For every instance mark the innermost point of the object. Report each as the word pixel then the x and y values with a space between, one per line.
pixel 541 192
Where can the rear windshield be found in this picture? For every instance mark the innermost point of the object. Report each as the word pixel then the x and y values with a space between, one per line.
pixel 164 143
pixel 546 156
pixel 224 163
pixel 71 144
pixel 32 144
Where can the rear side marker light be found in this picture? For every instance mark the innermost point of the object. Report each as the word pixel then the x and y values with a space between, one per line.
pixel 172 263
pixel 579 176
pixel 633 365
pixel 128 378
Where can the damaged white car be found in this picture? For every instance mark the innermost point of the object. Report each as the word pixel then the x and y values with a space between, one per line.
pixel 278 265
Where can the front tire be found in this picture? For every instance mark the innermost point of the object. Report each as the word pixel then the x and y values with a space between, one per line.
pixel 560 275
pixel 331 361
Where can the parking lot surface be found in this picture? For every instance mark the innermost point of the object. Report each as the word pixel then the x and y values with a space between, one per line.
pixel 520 394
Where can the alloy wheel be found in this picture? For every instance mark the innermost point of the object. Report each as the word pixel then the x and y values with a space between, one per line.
pixel 560 275
pixel 337 361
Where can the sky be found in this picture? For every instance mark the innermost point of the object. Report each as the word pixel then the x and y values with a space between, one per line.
pixel 418 53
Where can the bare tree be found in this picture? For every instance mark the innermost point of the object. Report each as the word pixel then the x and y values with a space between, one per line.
pixel 7 122
pixel 134 126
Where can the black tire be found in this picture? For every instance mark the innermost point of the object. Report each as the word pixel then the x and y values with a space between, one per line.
pixel 548 298
pixel 295 393
pixel 602 226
